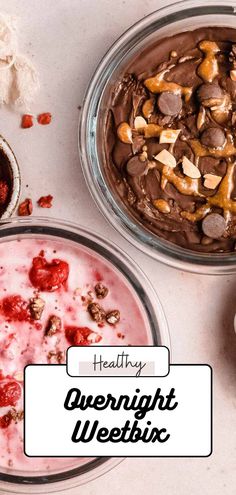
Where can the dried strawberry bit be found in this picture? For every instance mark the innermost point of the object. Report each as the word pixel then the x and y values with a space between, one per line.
pixel 96 312
pixel 36 305
pixel 5 420
pixel 46 276
pixel 25 208
pixel 113 317
pixel 10 393
pixel 4 190
pixel 81 336
pixel 27 121
pixel 53 326
pixel 15 308
pixel 44 118
pixel 45 201
pixel 100 290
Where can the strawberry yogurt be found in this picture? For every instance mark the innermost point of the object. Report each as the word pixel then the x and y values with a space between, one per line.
pixel 55 294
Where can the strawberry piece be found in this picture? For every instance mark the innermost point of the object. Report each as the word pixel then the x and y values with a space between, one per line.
pixel 26 121
pixel 4 190
pixel 15 308
pixel 10 393
pixel 25 208
pixel 81 336
pixel 46 276
pixel 45 201
pixel 44 118
pixel 5 420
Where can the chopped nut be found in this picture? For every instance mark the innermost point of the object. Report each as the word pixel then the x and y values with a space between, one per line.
pixel 166 158
pixel 36 307
pixel 173 54
pixel 124 133
pixel 211 181
pixel 57 357
pixel 19 376
pixel 148 108
pixel 113 317
pixel 201 118
pixel 212 102
pixel 53 326
pixel 152 130
pixel 96 312
pixel 139 123
pixel 169 135
pixel 190 169
pixel 16 415
pixel 161 205
pixel 233 75
pixel 100 290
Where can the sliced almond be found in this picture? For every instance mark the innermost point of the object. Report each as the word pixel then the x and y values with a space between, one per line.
pixel 169 135
pixel 152 130
pixel 201 118
pixel 211 181
pixel 124 133
pixel 166 158
pixel 190 169
pixel 233 75
pixel 139 123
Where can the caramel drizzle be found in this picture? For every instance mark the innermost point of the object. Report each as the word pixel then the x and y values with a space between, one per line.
pixel 222 199
pixel 184 185
pixel 208 69
pixel 157 84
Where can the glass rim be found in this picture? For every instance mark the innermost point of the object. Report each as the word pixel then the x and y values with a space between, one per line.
pixel 159 332
pixel 116 214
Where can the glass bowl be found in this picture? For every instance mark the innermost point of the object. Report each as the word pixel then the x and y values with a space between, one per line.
pixel 181 16
pixel 13 481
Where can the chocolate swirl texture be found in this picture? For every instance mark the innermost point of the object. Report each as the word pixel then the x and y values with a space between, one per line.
pixel 170 139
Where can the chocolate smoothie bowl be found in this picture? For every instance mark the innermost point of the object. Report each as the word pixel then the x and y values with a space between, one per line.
pixel 157 136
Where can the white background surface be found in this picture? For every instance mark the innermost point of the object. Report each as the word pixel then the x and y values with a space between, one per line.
pixel 67 39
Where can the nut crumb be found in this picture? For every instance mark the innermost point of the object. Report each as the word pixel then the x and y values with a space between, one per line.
pixel 53 326
pixel 100 290
pixel 96 312
pixel 36 307
pixel 113 317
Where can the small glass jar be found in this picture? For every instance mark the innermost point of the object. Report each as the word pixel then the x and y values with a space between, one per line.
pixel 181 16
pixel 84 470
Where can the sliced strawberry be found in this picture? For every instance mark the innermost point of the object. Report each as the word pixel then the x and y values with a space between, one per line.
pixel 15 308
pixel 81 336
pixel 10 393
pixel 48 276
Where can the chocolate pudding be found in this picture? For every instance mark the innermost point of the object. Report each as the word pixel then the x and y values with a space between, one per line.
pixel 170 144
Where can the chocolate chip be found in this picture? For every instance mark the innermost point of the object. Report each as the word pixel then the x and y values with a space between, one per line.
pixel 136 167
pixel 113 317
pixel 169 103
pixel 100 290
pixel 214 225
pixel 213 137
pixel 96 312
pixel 208 91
